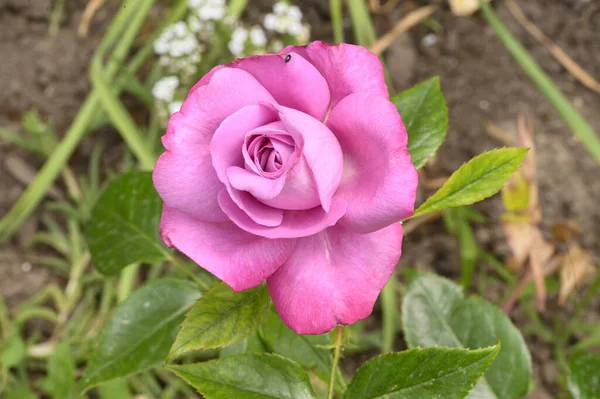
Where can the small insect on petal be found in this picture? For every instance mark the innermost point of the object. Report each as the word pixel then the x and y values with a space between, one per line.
pixel 288 58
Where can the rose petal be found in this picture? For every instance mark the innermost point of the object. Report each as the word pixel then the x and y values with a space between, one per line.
pixel 185 178
pixel 205 79
pixel 258 186
pixel 295 83
pixel 228 141
pixel 347 68
pixel 240 259
pixel 298 192
pixel 334 277
pixel 183 175
pixel 260 213
pixel 268 136
pixel 294 224
pixel 321 150
pixel 380 181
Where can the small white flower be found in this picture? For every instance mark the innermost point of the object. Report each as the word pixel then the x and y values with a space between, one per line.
pixel 294 13
pixel 179 29
pixel 237 44
pixel 271 22
pixel 285 19
pixel 304 34
pixel 236 48
pixel 280 7
pixel 276 46
pixel 164 89
pixel 240 34
pixel 177 40
pixel 294 28
pixel 208 10
pixel 257 36
pixel 174 107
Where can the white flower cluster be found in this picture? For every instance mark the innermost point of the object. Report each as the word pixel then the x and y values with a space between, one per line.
pixel 179 49
pixel 240 36
pixel 208 10
pixel 287 19
pixel 164 93
pixel 181 46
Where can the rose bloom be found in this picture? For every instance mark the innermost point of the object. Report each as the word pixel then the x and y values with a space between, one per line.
pixel 291 168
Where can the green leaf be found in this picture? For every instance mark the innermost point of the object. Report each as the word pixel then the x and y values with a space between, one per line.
pixel 247 377
pixel 421 373
pixel 251 344
pixel 61 373
pixel 584 376
pixel 114 389
pixel 425 115
pixel 124 225
pixel 19 392
pixel 435 313
pixel 480 178
pixel 12 352
pixel 221 318
pixel 141 331
pixel 307 350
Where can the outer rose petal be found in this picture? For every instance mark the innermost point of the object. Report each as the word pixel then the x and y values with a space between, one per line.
pixel 183 175
pixel 380 181
pixel 347 68
pixel 294 224
pixel 296 84
pixel 240 259
pixel 205 79
pixel 334 277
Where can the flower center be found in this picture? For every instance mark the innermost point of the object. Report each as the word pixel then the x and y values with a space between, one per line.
pixel 269 153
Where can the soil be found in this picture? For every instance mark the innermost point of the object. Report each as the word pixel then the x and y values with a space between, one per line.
pixel 480 80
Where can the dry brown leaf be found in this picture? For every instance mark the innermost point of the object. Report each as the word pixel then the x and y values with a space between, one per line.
pixel 577 266
pixel 564 232
pixel 519 237
pixel 407 22
pixel 541 252
pixel 521 219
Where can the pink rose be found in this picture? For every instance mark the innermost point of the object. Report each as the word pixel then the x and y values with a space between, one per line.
pixel 292 168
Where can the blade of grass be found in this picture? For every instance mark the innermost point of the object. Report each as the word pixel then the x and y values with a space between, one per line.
pixel 579 126
pixel 236 8
pixel 337 22
pixel 110 101
pixel 361 22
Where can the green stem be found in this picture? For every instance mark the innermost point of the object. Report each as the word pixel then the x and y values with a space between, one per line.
pixel 127 281
pixel 339 336
pixel 175 262
pixel 236 8
pixel 389 309
pixel 337 22
pixel 56 16
pixel 568 113
pixel 36 312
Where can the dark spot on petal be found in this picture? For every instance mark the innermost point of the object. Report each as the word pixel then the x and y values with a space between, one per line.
pixel 288 58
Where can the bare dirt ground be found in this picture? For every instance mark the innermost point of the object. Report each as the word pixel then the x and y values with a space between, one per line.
pixel 480 80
